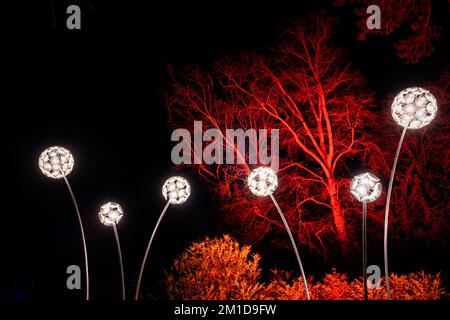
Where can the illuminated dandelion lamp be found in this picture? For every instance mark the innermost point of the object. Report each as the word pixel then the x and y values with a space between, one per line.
pixel 57 163
pixel 110 214
pixel 262 182
pixel 365 188
pixel 176 190
pixel 412 108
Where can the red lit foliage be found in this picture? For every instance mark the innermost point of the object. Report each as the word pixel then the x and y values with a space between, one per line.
pixel 215 269
pixel 415 16
pixel 220 269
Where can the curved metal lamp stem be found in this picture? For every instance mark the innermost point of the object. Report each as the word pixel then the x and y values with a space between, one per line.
pixel 82 236
pixel 119 252
pixel 386 213
pixel 364 246
pixel 294 246
pixel 136 296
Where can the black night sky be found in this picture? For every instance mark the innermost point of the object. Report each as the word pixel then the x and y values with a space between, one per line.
pixel 98 92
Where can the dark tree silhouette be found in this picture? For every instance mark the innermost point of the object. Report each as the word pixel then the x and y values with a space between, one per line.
pixel 415 16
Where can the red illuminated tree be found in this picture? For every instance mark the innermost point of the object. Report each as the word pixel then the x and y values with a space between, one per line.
pixel 306 88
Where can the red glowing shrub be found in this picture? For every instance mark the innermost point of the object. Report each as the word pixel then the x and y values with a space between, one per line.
pixel 215 269
pixel 337 286
pixel 417 286
pixel 218 269
pixel 281 288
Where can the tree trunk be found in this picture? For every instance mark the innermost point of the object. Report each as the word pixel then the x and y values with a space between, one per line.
pixel 338 215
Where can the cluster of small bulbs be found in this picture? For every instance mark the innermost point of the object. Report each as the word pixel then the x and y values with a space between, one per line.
pixel 110 214
pixel 262 181
pixel 414 108
pixel 56 162
pixel 176 190
pixel 365 187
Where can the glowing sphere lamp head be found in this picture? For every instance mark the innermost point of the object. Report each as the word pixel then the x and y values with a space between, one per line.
pixel 414 108
pixel 110 214
pixel 365 187
pixel 262 181
pixel 176 190
pixel 56 162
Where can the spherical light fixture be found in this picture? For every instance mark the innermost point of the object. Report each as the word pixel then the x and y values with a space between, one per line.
pixel 57 163
pixel 262 182
pixel 176 190
pixel 110 215
pixel 414 108
pixel 365 188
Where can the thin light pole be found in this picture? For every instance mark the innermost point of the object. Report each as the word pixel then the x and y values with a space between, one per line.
pixel 364 245
pixel 366 188
pixel 82 235
pixel 412 108
pixel 141 272
pixel 294 246
pixel 386 212
pixel 119 252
